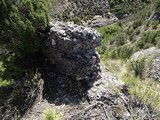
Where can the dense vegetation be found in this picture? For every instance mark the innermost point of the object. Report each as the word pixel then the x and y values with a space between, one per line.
pixel 20 21
pixel 19 42
pixel 121 40
pixel 19 25
pixel 127 6
pixel 78 10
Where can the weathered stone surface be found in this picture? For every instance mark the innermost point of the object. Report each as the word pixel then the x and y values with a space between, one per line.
pixel 72 49
pixel 149 53
pixel 154 69
pixel 155 16
pixel 104 86
pixel 99 21
pixel 123 15
pixel 153 61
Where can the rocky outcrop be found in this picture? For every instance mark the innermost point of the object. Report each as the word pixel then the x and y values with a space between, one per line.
pixel 123 15
pixel 152 56
pixel 154 69
pixel 149 53
pixel 107 99
pixel 99 21
pixel 71 49
pixel 82 8
pixel 84 12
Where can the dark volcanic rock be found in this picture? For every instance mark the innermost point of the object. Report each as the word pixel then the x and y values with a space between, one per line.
pixel 72 49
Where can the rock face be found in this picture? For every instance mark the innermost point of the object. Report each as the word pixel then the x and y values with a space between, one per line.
pixel 149 53
pixel 156 16
pixel 153 65
pixel 99 21
pixel 154 69
pixel 71 49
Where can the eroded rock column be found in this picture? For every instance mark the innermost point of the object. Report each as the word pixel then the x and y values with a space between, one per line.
pixel 72 49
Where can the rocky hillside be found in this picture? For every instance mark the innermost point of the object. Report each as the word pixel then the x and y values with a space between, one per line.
pixel 105 67
pixel 83 87
pixel 78 10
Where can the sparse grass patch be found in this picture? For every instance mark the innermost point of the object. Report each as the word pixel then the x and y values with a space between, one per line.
pixel 115 89
pixel 146 90
pixel 51 114
pixel 114 65
pixel 138 67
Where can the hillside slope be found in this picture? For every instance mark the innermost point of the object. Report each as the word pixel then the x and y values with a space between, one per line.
pixel 78 10
pixel 56 72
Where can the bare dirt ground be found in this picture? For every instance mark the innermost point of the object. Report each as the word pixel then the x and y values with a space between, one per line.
pixel 107 99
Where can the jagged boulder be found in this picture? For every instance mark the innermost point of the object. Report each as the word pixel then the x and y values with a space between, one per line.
pixel 71 48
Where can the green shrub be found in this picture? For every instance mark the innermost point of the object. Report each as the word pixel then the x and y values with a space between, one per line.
pixel 115 89
pixel 138 66
pixel 107 33
pixel 137 31
pixel 129 31
pixel 3 82
pixel 76 20
pixel 155 24
pixel 147 23
pixel 50 114
pixel 119 40
pixel 137 23
pixel 157 39
pixel 65 16
pixel 124 52
pixel 20 21
pixel 125 6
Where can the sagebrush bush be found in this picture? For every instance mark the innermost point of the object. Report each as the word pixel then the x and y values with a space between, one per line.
pixel 137 23
pixel 138 66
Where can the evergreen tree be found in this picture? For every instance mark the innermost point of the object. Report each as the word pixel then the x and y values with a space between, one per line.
pixel 20 20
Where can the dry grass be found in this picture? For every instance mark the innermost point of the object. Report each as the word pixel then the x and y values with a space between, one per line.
pixel 145 90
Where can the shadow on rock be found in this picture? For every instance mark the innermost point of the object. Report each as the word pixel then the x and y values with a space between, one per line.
pixel 72 63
